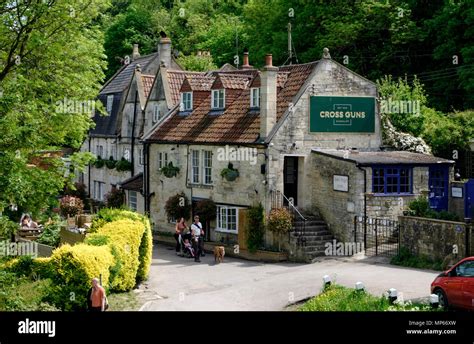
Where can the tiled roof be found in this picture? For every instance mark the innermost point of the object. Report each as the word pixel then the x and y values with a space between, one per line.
pixel 175 79
pixel 295 80
pixel 120 81
pixel 200 82
pixel 235 124
pixel 134 183
pixel 382 157
pixel 147 83
pixel 234 81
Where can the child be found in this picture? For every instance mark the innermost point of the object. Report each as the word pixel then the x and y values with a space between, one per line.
pixel 188 247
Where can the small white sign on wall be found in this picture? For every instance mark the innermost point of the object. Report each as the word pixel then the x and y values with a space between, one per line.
pixel 456 192
pixel 340 183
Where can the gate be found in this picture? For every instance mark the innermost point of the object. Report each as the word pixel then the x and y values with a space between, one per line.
pixel 381 237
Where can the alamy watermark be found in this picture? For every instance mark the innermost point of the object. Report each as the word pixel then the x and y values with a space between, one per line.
pixel 75 106
pixel 22 248
pixel 228 153
pixel 335 248
pixel 391 106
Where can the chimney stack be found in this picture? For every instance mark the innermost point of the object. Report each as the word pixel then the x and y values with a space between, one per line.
pixel 246 64
pixel 164 50
pixel 136 53
pixel 268 96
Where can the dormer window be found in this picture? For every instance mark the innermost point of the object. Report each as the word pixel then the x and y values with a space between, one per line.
pixel 110 102
pixel 255 97
pixel 186 101
pixel 218 99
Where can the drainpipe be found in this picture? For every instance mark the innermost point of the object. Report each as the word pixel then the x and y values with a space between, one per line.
pixel 133 133
pixel 89 168
pixel 365 203
pixel 146 178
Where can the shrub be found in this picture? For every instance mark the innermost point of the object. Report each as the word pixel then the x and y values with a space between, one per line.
pixel 78 190
pixel 146 251
pixel 115 198
pixel 7 228
pixel 74 267
pixel 255 228
pixel 124 241
pixel 178 206
pixel 71 206
pixel 406 258
pixel 50 235
pixel 421 207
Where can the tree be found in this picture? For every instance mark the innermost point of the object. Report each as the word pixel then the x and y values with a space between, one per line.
pixel 51 56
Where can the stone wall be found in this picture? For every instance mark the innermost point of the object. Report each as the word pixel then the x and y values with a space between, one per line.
pixel 432 238
pixel 337 208
pixel 248 189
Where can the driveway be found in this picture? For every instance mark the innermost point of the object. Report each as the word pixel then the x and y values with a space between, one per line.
pixel 180 284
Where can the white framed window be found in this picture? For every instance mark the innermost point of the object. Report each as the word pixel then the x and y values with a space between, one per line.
pixel 99 190
pixel 132 200
pixel 227 219
pixel 207 166
pixel 162 160
pixel 186 101
pixel 156 113
pixel 110 103
pixel 99 151
pixel 218 99
pixel 195 167
pixel 255 97
pixel 140 156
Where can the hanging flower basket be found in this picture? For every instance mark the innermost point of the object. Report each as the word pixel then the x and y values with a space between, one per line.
pixel 170 171
pixel 230 173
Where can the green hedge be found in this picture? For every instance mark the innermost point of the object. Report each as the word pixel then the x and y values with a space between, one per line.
pixel 74 268
pixel 108 215
pixel 124 238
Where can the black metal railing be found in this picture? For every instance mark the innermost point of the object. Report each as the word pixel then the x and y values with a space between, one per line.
pixel 381 237
pixel 279 200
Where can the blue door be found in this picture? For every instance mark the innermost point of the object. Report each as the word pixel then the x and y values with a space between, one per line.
pixel 469 199
pixel 438 184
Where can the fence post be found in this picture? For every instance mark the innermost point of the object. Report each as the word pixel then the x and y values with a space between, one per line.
pixel 468 237
pixel 376 239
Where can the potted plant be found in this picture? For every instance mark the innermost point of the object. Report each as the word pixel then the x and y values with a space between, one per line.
pixel 123 165
pixel 230 173
pixel 279 222
pixel 99 163
pixel 111 163
pixel 178 206
pixel 170 171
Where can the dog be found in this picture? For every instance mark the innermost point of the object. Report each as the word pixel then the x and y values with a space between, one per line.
pixel 219 253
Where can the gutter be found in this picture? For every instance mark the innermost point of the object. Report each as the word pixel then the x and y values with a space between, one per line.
pixel 133 133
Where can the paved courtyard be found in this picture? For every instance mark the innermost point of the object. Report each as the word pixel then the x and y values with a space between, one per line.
pixel 177 283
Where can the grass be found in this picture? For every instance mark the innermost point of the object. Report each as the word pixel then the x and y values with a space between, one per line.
pixel 406 258
pixel 338 298
pixel 124 301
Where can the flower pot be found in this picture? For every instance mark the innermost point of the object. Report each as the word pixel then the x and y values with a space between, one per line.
pixel 231 175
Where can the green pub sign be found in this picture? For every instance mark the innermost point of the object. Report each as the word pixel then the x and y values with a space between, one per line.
pixel 342 114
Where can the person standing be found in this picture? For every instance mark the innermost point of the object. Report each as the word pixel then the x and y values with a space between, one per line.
pixel 97 301
pixel 178 235
pixel 197 233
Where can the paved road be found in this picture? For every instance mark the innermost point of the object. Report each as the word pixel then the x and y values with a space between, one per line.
pixel 178 283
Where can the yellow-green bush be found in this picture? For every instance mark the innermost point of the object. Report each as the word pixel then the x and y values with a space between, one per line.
pixel 124 238
pixel 107 215
pixel 74 267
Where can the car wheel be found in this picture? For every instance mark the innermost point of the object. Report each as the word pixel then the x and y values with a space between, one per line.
pixel 443 299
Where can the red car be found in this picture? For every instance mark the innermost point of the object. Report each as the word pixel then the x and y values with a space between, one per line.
pixel 455 287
